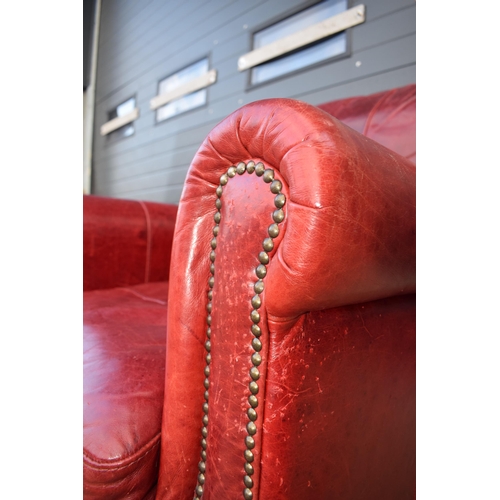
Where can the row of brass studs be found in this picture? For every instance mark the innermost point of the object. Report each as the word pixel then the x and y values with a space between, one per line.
pixel 260 271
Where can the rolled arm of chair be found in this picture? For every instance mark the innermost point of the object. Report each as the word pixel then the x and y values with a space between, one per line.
pixel 125 242
pixel 285 210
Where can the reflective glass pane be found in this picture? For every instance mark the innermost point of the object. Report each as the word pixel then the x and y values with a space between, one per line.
pixel 187 102
pixel 121 110
pixel 126 107
pixel 320 51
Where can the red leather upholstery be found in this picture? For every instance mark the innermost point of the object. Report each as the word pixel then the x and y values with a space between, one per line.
pixel 124 334
pixel 340 408
pixel 386 117
pixel 336 387
pixel 125 242
pixel 123 369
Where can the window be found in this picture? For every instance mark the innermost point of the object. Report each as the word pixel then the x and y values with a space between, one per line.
pixel 183 90
pixel 121 120
pixel 311 36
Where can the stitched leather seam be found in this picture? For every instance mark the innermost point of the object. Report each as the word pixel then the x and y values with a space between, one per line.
pixel 374 109
pixel 97 464
pixel 148 239
pixel 144 297
pixel 403 105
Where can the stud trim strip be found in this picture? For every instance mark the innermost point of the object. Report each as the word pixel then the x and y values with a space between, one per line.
pixel 278 216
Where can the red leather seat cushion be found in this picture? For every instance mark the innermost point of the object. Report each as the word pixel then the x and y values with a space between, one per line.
pixel 124 368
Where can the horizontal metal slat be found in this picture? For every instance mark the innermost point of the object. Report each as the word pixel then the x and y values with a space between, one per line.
pixel 198 83
pixel 330 26
pixel 119 121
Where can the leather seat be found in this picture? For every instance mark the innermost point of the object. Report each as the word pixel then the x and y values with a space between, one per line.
pixel 124 325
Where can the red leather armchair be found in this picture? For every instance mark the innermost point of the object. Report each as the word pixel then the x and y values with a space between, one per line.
pixel 290 352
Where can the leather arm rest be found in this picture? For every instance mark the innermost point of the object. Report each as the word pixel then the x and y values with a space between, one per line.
pixel 349 233
pixel 347 237
pixel 125 242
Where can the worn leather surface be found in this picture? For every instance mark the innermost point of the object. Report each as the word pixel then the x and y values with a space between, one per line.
pixel 123 374
pixel 240 241
pixel 125 242
pixel 386 117
pixel 348 239
pixel 339 418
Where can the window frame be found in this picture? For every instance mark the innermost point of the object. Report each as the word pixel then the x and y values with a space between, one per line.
pixel 275 20
pixel 112 136
pixel 171 73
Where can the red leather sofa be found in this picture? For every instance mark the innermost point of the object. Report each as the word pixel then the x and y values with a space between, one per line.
pixel 126 261
pixel 290 346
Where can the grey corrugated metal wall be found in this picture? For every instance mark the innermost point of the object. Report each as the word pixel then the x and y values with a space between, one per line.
pixel 142 42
